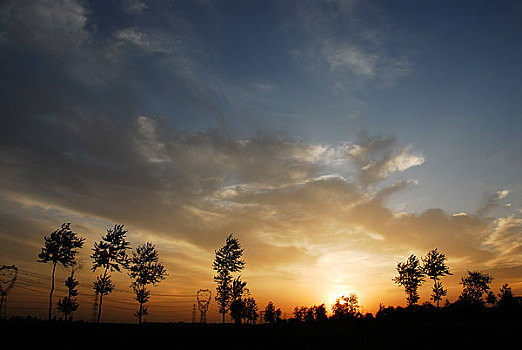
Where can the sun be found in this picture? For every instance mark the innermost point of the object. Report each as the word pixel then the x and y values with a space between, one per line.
pixel 336 294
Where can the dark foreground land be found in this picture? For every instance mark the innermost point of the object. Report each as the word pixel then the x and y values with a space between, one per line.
pixel 464 333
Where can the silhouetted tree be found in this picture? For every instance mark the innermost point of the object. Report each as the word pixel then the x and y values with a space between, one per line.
pixel 411 276
pixel 506 300
pixel 145 269
pixel 434 267
pixel 60 247
pixel 69 304
pixel 309 316
pixel 227 261
pixel 237 305
pixel 346 306
pixel 271 314
pixel 474 286
pixel 320 313
pixel 491 298
pixel 300 313
pixel 110 254
pixel 251 309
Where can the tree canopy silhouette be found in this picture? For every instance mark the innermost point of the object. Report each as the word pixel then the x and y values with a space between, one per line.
pixel 506 300
pixel 271 314
pixel 145 269
pixel 475 287
pixel 411 276
pixel 237 304
pixel 227 261
pixel 61 246
pixel 434 267
pixel 109 254
pixel 346 306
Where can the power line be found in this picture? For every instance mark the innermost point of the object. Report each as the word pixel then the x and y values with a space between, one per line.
pixel 33 283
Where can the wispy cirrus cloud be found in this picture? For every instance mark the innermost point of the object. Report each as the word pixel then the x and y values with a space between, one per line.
pixel 351 53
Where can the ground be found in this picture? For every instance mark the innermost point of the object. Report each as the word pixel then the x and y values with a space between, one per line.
pixel 371 334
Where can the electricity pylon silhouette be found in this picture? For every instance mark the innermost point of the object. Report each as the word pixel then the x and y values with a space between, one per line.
pixel 203 297
pixel 8 275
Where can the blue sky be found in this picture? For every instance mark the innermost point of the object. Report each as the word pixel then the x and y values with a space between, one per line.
pixel 189 119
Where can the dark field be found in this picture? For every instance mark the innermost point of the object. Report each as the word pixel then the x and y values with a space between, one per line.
pixel 465 333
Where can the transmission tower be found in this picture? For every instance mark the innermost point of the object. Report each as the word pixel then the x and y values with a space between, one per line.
pixel 203 303
pixel 8 275
pixel 194 314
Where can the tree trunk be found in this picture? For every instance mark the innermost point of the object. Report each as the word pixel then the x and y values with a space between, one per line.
pixel 101 296
pixel 140 312
pixel 100 308
pixel 52 290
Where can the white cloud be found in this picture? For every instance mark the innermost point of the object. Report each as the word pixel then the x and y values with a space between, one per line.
pixel 134 7
pixel 506 240
pixel 378 157
pixel 402 161
pixel 152 42
pixel 503 194
pixel 352 59
pixel 338 45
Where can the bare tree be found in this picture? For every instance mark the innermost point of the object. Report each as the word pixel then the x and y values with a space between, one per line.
pixel 145 269
pixel 411 276
pixel 109 254
pixel 434 266
pixel 227 261
pixel 60 247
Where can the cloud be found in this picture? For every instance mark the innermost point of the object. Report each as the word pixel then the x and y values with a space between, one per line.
pixel 377 157
pixel 357 57
pixel 503 194
pixel 154 42
pixel 492 202
pixel 352 59
pixel 45 25
pixel 133 7
pixel 187 190
pixel 506 239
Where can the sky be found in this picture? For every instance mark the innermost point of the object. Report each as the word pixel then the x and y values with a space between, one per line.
pixel 332 138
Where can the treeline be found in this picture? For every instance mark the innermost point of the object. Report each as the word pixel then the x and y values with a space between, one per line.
pixel 476 296
pixel 113 253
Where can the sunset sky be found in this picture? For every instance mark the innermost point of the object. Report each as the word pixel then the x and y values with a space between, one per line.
pixel 333 138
